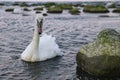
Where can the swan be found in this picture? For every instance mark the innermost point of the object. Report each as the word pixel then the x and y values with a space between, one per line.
pixel 42 46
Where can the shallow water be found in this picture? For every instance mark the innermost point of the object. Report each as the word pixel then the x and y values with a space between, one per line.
pixel 71 32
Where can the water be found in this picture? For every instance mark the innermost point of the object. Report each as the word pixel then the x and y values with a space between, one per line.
pixel 71 32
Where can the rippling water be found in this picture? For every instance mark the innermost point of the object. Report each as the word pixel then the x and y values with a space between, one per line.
pixel 71 32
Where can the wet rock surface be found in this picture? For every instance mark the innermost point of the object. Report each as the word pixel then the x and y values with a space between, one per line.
pixel 102 56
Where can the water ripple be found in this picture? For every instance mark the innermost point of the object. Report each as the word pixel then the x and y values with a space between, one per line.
pixel 71 33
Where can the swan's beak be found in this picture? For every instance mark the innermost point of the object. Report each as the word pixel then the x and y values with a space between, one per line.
pixel 39 24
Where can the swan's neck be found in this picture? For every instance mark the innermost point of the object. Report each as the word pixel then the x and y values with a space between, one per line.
pixel 36 36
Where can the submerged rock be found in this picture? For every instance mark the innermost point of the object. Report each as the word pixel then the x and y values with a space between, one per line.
pixel 101 57
pixel 37 12
pixel 17 11
pixel 45 14
pixel 104 16
pixel 9 10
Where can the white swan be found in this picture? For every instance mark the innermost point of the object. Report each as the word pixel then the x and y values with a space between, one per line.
pixel 42 48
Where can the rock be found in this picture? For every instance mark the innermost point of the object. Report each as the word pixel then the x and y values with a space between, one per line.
pixel 104 16
pixel 55 10
pixel 25 14
pixel 45 14
pixel 116 10
pixel 17 11
pixel 101 57
pixel 9 10
pixel 37 12
pixel 95 9
pixel 38 8
pixel 74 11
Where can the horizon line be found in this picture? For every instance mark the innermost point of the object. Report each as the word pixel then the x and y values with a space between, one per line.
pixel 59 0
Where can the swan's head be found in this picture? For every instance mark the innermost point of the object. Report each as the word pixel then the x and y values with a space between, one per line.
pixel 39 20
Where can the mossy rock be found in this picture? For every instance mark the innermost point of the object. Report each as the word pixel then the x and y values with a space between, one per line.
pixel 9 10
pixel 77 5
pixel 24 4
pixel 55 10
pixel 65 6
pixel 74 11
pixel 2 4
pixel 112 6
pixel 26 9
pixel 38 8
pixel 101 57
pixel 49 4
pixel 16 4
pixel 37 4
pixel 95 9
pixel 117 10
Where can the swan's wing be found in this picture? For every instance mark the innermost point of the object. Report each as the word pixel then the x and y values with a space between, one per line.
pixel 48 48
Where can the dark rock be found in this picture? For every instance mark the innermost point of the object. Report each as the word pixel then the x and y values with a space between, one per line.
pixel 104 16
pixel 45 14
pixel 9 10
pixel 37 12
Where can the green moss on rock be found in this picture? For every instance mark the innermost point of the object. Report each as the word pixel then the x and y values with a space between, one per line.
pixel 24 4
pixel 112 6
pixel 65 6
pixel 74 11
pixel 55 10
pixel 117 10
pixel 49 4
pixel 101 57
pixel 95 9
